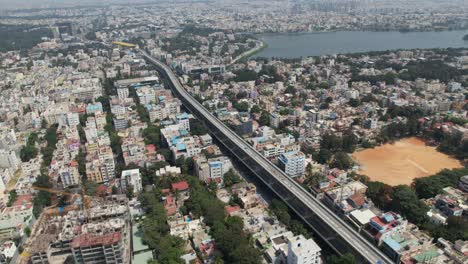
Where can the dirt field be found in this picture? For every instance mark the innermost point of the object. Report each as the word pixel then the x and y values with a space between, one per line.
pixel 403 161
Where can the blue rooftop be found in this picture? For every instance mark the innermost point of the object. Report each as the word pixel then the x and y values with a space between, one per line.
pixel 388 218
pixel 215 164
pixel 181 146
pixel 392 244
pixel 183 116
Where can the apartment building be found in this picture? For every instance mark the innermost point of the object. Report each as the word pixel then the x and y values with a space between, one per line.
pixel 292 163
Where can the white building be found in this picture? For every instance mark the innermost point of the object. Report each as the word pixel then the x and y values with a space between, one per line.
pixel 8 159
pixel 69 175
pixel 168 170
pixel 303 251
pixel 219 167
pixel 73 119
pixel 7 251
pixel 133 178
pixel 121 122
pixel 292 163
pixel 212 169
pixel 184 120
pixel 122 93
pixel 454 86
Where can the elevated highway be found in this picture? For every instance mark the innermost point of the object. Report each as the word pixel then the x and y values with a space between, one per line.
pixel 332 229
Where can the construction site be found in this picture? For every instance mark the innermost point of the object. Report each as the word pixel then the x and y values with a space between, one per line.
pixel 97 232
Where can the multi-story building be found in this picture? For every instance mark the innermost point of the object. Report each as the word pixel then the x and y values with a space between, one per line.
pixel 91 248
pixel 133 178
pixel 87 93
pixel 212 169
pixel 73 119
pixel 463 183
pixel 146 95
pixel 94 108
pixel 7 251
pixel 122 93
pixel 292 163
pixel 134 151
pixel 93 171
pixel 219 166
pixel 121 122
pixel 8 159
pixel 14 218
pixel 303 251
pixel 184 120
pixel 69 175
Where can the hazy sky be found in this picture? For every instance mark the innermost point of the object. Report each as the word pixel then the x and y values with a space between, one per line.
pixel 22 4
pixel 60 3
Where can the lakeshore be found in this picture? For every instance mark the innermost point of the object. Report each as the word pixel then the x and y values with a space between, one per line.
pixel 295 45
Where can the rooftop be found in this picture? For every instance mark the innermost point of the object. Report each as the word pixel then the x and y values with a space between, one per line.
pixel 89 240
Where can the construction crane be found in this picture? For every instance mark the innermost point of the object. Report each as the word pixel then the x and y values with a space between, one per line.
pixel 124 44
pixel 53 210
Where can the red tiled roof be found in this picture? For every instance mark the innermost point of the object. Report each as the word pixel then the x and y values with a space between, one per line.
pixel 358 199
pixel 151 148
pixel 180 186
pixel 22 199
pixel 103 189
pixel 232 209
pixel 88 240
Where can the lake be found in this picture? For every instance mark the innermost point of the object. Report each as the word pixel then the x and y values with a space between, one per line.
pixel 295 45
pixel 402 161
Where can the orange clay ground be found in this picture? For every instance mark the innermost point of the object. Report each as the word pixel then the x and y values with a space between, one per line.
pixel 402 161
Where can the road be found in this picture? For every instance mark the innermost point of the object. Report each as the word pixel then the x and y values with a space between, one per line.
pixel 352 238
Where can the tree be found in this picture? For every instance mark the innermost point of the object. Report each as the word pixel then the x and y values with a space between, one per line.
pixel 324 85
pixel 324 156
pixel 167 153
pixel 42 198
pixel 315 178
pixel 309 169
pixel 407 203
pixel 152 135
pixel 380 193
pixel 264 119
pixel 456 229
pixel 129 192
pixel 44 123
pixel 242 106
pixel 27 231
pixel 281 211
pixel 51 139
pixel 245 75
pixel 431 186
pixel 28 152
pixel 290 90
pixel 342 161
pixel 255 109
pixel 347 258
pixel 143 113
pixel 232 241
pixel 231 178
pixel 12 198
pixel 354 102
pixel 90 188
pixel 197 127
pixel 349 142
pixel 185 164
